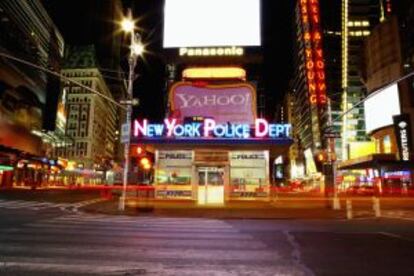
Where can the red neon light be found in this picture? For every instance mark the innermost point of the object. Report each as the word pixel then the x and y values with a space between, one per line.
pixel 200 83
pixel 315 64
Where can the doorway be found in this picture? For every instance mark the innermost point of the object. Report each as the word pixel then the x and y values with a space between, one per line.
pixel 210 185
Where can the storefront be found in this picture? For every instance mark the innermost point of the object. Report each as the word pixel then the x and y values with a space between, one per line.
pixel 384 172
pixel 208 163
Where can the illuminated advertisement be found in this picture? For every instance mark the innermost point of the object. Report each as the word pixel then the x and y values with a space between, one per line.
pixel 209 128
pixel 381 107
pixel 211 52
pixel 223 103
pixel 315 65
pixel 205 23
pixel 310 162
pixel 402 126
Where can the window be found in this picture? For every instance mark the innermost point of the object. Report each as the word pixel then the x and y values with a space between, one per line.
pixel 174 176
pixel 248 172
pixel 387 144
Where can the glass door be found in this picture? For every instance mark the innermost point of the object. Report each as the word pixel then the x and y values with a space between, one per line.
pixel 210 185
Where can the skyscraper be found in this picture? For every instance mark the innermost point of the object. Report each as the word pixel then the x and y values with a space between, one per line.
pixel 28 97
pixel 358 18
pixel 308 86
pixel 91 120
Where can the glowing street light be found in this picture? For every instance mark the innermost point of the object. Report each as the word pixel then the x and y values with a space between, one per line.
pixel 136 50
pixel 128 25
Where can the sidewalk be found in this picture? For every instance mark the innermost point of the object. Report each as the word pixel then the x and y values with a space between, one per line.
pixel 282 207
pixel 234 210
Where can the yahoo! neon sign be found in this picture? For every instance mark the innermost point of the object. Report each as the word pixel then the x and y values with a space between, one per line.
pixel 209 128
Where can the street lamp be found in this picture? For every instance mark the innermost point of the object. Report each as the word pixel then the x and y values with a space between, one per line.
pixel 127 24
pixel 136 49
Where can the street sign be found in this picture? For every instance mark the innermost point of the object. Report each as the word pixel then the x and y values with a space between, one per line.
pixel 125 133
pixel 133 102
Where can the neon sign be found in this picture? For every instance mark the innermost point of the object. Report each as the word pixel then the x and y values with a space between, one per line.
pixel 221 51
pixel 315 65
pixel 171 128
pixel 224 103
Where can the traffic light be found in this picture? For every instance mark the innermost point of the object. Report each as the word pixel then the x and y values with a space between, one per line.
pixel 137 151
pixel 320 157
pixel 144 161
pixel 320 160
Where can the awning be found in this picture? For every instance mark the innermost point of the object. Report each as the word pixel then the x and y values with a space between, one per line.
pixel 386 162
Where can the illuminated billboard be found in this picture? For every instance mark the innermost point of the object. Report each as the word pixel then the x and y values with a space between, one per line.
pixel 380 108
pixel 315 65
pixel 208 129
pixel 204 23
pixel 224 103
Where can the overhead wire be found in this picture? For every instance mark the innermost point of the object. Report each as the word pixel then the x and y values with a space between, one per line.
pixel 62 77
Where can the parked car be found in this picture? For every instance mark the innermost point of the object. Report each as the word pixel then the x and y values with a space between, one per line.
pixel 363 190
pixel 366 190
pixel 352 190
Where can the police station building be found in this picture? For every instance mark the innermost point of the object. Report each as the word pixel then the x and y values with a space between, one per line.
pixel 213 163
pixel 212 147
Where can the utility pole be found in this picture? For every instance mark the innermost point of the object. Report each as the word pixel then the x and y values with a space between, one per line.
pixel 330 177
pixel 136 49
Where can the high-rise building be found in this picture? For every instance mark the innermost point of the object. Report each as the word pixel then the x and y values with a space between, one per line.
pixel 91 120
pixel 331 27
pixel 28 97
pixel 103 31
pixel 309 85
pixel 389 107
pixel 358 19
pixel 285 114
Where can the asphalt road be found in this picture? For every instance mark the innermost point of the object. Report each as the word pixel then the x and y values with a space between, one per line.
pixel 53 242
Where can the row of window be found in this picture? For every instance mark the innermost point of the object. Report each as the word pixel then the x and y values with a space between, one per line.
pixel 75 117
pixel 73 133
pixel 79 74
pixel 79 100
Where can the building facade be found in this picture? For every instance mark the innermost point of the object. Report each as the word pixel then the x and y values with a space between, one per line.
pixel 213 146
pixel 28 97
pixel 91 120
pixel 358 19
pixel 387 163
pixel 331 26
pixel 309 86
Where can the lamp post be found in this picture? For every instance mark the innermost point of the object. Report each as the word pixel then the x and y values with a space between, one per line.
pixel 136 49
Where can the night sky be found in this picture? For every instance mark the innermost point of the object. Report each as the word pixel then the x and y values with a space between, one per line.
pixel 78 21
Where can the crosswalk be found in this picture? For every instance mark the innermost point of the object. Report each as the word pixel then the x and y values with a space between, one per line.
pixel 90 244
pixel 41 205
pixel 32 205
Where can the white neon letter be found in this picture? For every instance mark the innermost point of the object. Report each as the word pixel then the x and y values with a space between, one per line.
pixel 170 126
pixel 138 128
pixel 209 125
pixel 261 128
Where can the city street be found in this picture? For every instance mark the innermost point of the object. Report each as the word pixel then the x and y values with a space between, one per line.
pixel 54 242
pixel 209 137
